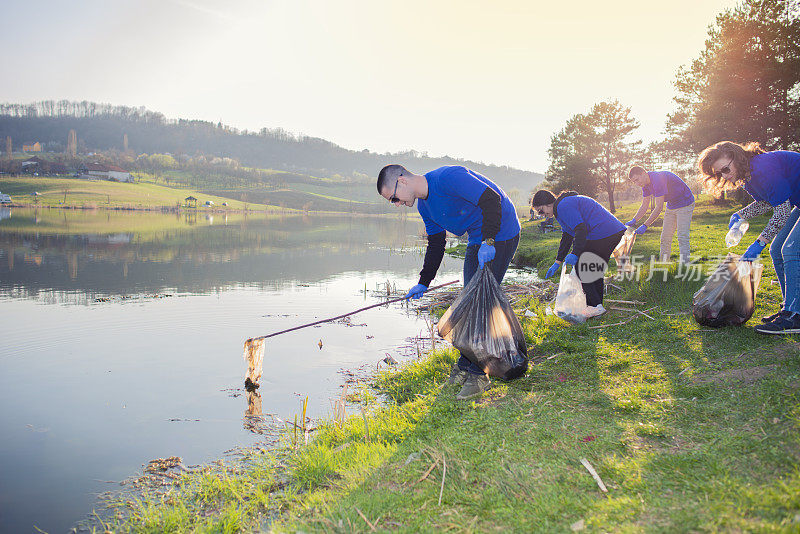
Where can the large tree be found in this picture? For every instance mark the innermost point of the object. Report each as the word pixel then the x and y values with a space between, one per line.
pixel 613 125
pixel 572 151
pixel 593 151
pixel 745 85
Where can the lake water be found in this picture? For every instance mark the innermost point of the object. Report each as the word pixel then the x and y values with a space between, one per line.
pixel 121 338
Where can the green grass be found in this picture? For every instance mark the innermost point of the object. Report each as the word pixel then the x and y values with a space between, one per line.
pixel 658 406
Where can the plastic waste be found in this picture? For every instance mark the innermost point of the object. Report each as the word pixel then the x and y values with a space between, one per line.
pixel 482 325
pixel 622 254
pixel 736 233
pixel 728 296
pixel 570 300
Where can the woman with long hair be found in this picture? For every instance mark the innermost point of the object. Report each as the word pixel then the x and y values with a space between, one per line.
pixel 591 231
pixel 773 180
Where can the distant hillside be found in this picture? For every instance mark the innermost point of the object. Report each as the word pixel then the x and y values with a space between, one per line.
pixel 102 127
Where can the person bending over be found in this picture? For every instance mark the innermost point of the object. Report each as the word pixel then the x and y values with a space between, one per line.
pixel 664 186
pixel 773 180
pixel 458 200
pixel 592 232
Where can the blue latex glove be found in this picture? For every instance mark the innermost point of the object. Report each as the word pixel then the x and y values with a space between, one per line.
pixel 735 217
pixel 416 291
pixel 753 251
pixel 642 229
pixel 485 253
pixel 571 259
pixel 632 222
pixel 552 270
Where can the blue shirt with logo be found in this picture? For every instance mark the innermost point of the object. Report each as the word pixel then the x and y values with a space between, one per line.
pixel 670 186
pixel 775 177
pixel 576 209
pixel 452 204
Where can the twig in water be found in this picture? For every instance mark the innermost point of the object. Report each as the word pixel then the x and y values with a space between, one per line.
pixel 444 473
pixel 594 474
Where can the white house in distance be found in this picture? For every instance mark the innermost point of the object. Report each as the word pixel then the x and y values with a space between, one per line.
pixel 106 172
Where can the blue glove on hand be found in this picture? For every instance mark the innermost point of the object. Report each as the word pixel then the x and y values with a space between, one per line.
pixel 485 253
pixel 552 270
pixel 632 222
pixel 753 251
pixel 416 291
pixel 642 229
pixel 734 218
pixel 571 259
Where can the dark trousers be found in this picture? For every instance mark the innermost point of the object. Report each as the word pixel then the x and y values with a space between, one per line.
pixel 601 247
pixel 503 253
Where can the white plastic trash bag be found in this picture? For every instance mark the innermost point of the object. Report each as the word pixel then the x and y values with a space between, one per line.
pixel 570 299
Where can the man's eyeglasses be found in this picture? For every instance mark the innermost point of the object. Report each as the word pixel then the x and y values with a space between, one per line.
pixel 540 211
pixel 724 170
pixel 394 198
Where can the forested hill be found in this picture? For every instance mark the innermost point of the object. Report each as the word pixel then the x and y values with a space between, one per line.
pixel 102 127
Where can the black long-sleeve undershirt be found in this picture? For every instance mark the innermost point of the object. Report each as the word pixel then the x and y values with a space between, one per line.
pixel 433 258
pixel 578 242
pixel 489 203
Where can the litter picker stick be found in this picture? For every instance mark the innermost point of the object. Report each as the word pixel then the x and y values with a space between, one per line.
pixel 346 314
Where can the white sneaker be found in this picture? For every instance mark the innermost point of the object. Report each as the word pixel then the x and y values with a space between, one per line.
pixel 594 311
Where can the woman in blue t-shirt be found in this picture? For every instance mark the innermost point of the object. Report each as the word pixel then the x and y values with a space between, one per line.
pixel 773 180
pixel 587 227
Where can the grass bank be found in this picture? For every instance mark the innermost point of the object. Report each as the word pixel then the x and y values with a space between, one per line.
pixel 82 193
pixel 689 428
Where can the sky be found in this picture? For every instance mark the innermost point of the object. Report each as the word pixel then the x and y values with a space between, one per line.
pixel 485 81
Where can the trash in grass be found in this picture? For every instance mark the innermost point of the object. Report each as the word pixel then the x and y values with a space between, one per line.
pixel 482 325
pixel 570 299
pixel 728 296
pixel 736 233
pixel 622 254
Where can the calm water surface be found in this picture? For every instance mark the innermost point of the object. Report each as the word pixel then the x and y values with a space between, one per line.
pixel 101 371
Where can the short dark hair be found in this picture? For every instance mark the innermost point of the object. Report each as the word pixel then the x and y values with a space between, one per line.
pixel 389 175
pixel 543 197
pixel 636 170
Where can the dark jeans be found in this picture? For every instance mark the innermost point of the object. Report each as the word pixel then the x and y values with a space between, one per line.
pixel 503 252
pixel 603 248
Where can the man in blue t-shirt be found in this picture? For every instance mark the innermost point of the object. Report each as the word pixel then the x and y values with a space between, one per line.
pixel 664 186
pixel 457 200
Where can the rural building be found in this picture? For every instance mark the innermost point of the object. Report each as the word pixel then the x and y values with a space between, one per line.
pixel 35 147
pixel 36 165
pixel 105 172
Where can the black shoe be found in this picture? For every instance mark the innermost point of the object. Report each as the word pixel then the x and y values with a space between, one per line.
pixel 781 325
pixel 770 318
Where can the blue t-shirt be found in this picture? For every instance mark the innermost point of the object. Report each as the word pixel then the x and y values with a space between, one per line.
pixel 452 204
pixel 775 177
pixel 668 185
pixel 576 209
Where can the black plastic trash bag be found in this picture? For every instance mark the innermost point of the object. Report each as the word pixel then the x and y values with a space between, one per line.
pixel 728 296
pixel 481 324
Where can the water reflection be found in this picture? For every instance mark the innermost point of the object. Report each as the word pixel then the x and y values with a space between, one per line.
pixel 49 250
pixel 131 327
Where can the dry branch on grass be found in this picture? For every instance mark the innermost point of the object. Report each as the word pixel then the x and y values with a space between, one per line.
pixel 544 291
pixel 594 474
